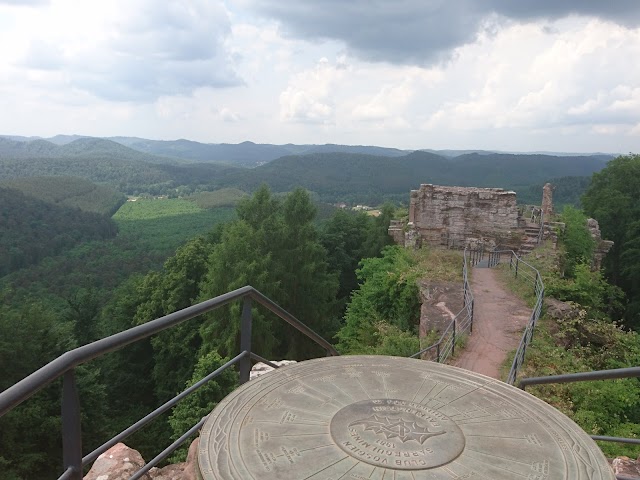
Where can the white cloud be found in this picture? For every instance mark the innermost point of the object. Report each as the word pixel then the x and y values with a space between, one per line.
pixel 309 97
pixel 165 70
pixel 130 50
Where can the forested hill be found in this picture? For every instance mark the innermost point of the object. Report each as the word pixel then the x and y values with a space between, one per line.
pixel 340 175
pixel 82 147
pixel 31 229
pixel 510 170
pixel 335 176
pixel 246 154
pixel 70 192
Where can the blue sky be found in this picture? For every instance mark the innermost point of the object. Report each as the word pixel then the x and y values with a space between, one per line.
pixel 530 75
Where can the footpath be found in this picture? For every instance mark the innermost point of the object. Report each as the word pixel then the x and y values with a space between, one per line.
pixel 499 318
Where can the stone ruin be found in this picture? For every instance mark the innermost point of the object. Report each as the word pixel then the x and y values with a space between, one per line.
pixel 457 217
pixel 601 248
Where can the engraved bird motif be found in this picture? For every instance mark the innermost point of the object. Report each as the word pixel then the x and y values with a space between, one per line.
pixel 396 428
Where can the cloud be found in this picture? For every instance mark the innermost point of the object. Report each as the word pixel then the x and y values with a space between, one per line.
pixel 24 3
pixel 309 97
pixel 139 51
pixel 424 32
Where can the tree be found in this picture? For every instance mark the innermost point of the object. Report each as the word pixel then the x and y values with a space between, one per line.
pixel 201 402
pixel 577 239
pixel 273 246
pixel 614 200
pixel 388 293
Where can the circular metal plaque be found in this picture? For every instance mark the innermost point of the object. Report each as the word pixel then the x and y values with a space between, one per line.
pixel 383 418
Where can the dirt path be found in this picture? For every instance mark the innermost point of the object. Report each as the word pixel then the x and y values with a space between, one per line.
pixel 498 321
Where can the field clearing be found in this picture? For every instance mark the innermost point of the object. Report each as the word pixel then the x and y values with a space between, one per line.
pixel 147 209
pixel 225 197
pixel 165 224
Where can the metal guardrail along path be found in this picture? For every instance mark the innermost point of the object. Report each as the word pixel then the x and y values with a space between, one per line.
pixel 64 366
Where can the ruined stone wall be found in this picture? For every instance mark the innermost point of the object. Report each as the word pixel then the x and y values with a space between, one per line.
pixel 456 216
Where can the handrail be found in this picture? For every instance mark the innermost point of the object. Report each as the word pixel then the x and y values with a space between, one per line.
pixel 64 366
pixel 616 373
pixel 31 384
pixel 463 320
pixel 630 372
pixel 540 236
pixel 495 258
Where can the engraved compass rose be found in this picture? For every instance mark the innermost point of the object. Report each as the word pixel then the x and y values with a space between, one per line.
pixel 403 430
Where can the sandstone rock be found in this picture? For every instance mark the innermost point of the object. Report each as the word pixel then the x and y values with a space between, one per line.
pixel 441 301
pixel 547 200
pixel 560 311
pixel 448 216
pixel 602 246
pixel 262 368
pixel 626 466
pixel 118 463
pixel 180 471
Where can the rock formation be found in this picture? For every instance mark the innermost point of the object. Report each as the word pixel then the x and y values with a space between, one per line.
pixel 455 217
pixel 547 200
pixel 262 368
pixel 121 462
pixel 602 247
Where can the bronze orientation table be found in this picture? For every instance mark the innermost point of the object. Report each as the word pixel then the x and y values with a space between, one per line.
pixel 384 418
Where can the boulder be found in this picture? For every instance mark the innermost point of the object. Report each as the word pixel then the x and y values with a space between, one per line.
pixel 561 311
pixel 262 368
pixel 121 462
pixel 626 466
pixel 118 463
pixel 180 471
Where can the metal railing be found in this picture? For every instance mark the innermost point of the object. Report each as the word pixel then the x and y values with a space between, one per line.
pixel 632 372
pixel 541 231
pixel 531 276
pixel 64 366
pixel 462 323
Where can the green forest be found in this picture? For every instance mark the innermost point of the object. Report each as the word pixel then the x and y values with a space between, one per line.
pixel 98 288
pixel 79 262
pixel 335 173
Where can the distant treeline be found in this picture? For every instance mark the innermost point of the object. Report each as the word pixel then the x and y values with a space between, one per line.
pixel 333 176
pixel 568 191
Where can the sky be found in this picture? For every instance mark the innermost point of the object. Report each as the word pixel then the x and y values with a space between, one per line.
pixel 525 75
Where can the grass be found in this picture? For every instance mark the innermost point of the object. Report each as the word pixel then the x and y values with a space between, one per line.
pixel 225 197
pixel 438 265
pixel 165 224
pixel 148 209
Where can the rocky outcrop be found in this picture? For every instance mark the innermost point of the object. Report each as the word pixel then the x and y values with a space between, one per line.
pixel 262 368
pixel 121 462
pixel 602 247
pixel 118 463
pixel 441 301
pixel 626 466
pixel 547 200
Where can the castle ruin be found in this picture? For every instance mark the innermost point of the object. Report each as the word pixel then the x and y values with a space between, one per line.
pixel 456 217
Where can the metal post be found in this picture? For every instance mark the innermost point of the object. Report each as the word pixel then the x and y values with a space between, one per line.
pixel 471 323
pixel 71 428
pixel 453 343
pixel 517 263
pixel 438 352
pixel 245 339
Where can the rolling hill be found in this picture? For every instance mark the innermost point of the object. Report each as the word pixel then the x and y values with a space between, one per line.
pixel 69 192
pixel 357 177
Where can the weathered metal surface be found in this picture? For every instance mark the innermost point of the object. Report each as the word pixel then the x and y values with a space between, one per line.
pixel 373 417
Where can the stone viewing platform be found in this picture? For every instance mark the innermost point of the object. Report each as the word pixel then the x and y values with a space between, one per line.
pixel 376 417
